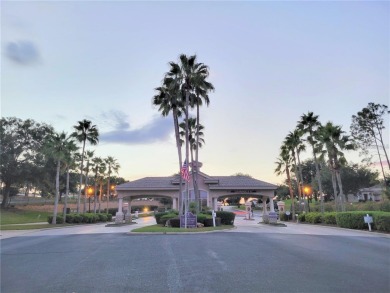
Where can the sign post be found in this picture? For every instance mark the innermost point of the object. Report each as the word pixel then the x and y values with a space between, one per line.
pixel 214 214
pixel 368 220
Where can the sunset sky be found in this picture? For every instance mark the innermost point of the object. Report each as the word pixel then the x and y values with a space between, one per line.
pixel 270 62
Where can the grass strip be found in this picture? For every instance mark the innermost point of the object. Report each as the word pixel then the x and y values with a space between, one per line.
pixel 32 227
pixel 17 216
pixel 161 229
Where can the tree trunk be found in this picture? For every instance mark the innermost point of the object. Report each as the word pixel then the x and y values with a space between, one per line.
pixel 108 185
pixel 86 187
pixel 100 194
pixel 291 193
pixel 196 169
pixel 383 145
pixel 54 221
pixel 318 177
pixel 298 182
pixel 6 191
pixel 95 197
pixel 66 192
pixel 187 159
pixel 342 198
pixel 178 146
pixel 335 189
pixel 81 179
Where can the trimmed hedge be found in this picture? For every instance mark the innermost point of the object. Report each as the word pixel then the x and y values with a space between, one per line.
pixel 313 218
pixel 209 222
pixel 350 220
pixel 59 219
pixel 354 220
pixel 382 221
pixel 330 218
pixel 83 218
pixel 227 218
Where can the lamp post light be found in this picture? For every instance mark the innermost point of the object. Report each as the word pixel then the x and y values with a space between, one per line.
pixel 89 193
pixel 307 191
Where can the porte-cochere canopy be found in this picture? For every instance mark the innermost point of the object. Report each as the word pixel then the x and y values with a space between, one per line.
pixel 211 188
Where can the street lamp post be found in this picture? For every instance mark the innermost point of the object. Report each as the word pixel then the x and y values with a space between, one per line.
pixel 307 191
pixel 89 193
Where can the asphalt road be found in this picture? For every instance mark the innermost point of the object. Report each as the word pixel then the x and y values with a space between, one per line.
pixel 252 258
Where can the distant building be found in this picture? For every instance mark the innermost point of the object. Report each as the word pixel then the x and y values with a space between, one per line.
pixel 210 188
pixel 373 193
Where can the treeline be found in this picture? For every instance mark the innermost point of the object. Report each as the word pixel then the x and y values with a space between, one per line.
pixel 327 144
pixel 35 158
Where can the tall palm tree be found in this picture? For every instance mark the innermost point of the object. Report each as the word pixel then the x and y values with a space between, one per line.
pixel 169 100
pixel 333 143
pixel 309 125
pixel 88 157
pixel 57 147
pixel 191 78
pixel 112 166
pixel 295 145
pixel 84 131
pixel 283 165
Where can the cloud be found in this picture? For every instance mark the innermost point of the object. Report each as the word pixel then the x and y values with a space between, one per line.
pixel 22 52
pixel 159 129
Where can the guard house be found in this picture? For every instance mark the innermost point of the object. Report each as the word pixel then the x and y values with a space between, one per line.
pixel 210 189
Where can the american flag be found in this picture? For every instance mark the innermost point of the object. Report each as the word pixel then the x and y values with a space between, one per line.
pixel 184 171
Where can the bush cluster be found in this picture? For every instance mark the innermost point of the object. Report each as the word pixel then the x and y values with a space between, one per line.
pixel 59 219
pixel 350 220
pixel 82 218
pixel 227 218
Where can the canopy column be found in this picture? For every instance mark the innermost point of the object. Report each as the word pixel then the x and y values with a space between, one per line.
pixel 119 213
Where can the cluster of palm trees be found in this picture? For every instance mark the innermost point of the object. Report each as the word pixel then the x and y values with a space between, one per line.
pixel 327 143
pixel 185 87
pixel 63 149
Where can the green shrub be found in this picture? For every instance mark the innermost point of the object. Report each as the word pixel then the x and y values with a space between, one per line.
pixel 175 222
pixel 165 218
pixel 109 217
pixel 302 217
pixel 76 218
pixel 381 221
pixel 209 222
pixel 102 217
pixel 330 218
pixel 59 219
pixel 227 218
pixel 352 220
pixel 313 218
pixel 202 217
pixel 158 216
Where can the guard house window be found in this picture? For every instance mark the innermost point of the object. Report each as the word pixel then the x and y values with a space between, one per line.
pixel 202 197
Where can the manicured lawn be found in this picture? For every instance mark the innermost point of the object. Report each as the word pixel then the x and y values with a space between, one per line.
pixel 31 227
pixel 18 216
pixel 161 229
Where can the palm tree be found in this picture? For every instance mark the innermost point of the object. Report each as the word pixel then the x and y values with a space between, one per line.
pixel 88 157
pixel 196 139
pixel 97 168
pixel 309 125
pixel 283 166
pixel 84 131
pixel 169 99
pixel 70 164
pixel 333 143
pixel 190 77
pixel 114 166
pixel 295 145
pixel 57 147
